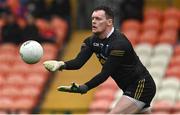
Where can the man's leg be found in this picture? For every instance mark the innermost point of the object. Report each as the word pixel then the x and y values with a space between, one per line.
pixel 127 105
pixel 145 111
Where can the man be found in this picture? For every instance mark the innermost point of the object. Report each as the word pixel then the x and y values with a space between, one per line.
pixel 119 61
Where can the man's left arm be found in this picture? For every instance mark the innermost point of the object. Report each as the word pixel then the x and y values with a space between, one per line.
pixel 109 68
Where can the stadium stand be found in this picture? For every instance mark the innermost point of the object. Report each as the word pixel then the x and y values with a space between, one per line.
pixel 23 85
pixel 27 89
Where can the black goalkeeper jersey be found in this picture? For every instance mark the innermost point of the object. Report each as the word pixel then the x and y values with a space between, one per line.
pixel 118 59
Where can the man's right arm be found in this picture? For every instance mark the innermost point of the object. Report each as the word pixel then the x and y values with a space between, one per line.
pixel 76 63
pixel 80 59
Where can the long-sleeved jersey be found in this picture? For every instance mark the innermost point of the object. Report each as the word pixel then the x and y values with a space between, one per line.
pixel 117 57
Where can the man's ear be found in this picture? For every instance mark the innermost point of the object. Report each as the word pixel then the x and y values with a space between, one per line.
pixel 110 22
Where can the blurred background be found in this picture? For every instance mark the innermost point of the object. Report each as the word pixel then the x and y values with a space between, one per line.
pixel 60 26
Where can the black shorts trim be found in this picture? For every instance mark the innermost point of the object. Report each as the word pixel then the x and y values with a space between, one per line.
pixel 139 89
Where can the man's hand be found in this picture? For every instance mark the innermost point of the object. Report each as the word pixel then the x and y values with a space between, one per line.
pixel 73 88
pixel 53 65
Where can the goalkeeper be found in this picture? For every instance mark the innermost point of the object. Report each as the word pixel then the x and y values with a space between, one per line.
pixel 118 60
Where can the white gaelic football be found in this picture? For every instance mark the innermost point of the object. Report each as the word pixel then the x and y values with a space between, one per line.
pixel 31 51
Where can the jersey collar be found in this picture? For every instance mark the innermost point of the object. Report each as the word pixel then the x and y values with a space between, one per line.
pixel 112 30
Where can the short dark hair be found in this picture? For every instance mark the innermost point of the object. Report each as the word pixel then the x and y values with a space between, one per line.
pixel 108 11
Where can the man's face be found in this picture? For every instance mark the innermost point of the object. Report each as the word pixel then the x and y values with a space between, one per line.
pixel 99 22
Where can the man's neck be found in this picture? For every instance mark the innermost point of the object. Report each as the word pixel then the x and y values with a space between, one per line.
pixel 107 33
